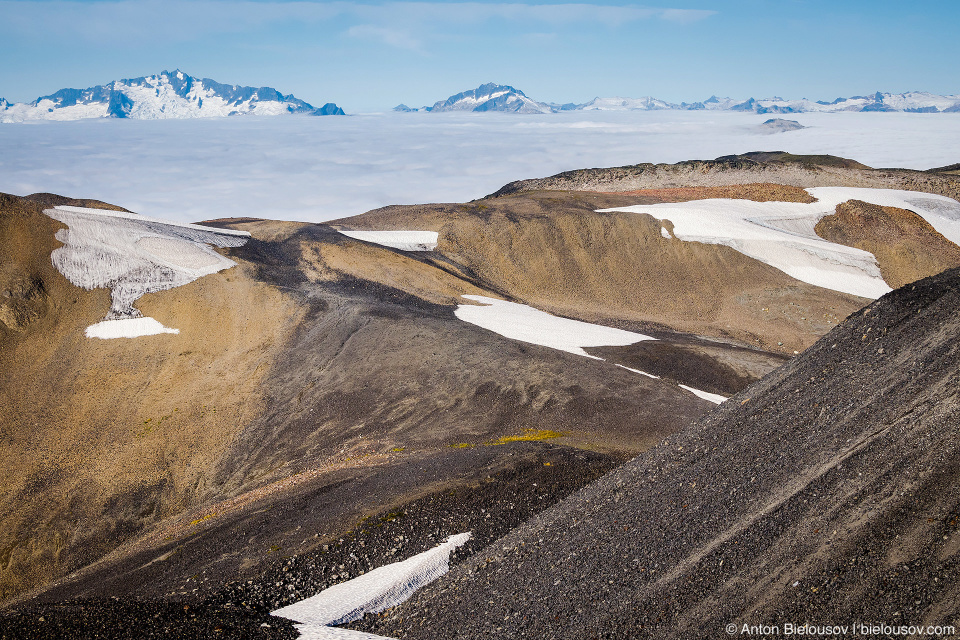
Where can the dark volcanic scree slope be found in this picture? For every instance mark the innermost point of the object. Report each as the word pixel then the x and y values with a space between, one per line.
pixel 828 493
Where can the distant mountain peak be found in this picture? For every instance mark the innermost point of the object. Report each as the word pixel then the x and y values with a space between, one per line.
pixel 167 95
pixel 492 97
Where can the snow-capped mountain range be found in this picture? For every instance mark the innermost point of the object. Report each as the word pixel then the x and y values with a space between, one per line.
pixel 167 95
pixel 177 95
pixel 496 97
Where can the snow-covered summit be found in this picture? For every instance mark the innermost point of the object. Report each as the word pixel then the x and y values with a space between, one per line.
pixel 492 97
pixel 167 95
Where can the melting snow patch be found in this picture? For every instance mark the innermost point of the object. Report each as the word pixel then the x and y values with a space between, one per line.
pixel 643 373
pixel 127 328
pixel 318 632
pixel 402 240
pixel 715 398
pixel 133 255
pixel 372 592
pixel 782 234
pixel 526 324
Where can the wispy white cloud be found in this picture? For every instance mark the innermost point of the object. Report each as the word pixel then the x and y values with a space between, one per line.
pixel 389 36
pixel 179 20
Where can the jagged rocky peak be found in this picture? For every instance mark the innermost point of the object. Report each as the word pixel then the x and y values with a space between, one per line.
pixel 167 95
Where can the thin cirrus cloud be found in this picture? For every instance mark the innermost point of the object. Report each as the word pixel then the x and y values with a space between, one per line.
pixel 393 23
pixel 407 25
pixel 386 35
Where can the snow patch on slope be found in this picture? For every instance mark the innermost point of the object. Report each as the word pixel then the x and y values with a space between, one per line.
pixel 372 592
pixel 715 398
pixel 127 328
pixel 133 255
pixel 526 324
pixel 782 234
pixel 402 240
pixel 643 373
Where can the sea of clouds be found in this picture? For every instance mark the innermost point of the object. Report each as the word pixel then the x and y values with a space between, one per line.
pixel 315 169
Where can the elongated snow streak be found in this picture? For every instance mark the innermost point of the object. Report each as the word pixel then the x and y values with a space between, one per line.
pixel 526 324
pixel 643 373
pixel 782 234
pixel 372 592
pixel 715 398
pixel 402 240
pixel 133 255
pixel 127 328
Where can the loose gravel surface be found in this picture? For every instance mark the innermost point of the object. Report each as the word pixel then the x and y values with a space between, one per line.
pixel 541 475
pixel 827 493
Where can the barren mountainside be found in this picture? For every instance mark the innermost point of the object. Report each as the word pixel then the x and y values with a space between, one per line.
pixel 334 402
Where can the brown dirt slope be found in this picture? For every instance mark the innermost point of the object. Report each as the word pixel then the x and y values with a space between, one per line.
pixel 907 248
pixel 828 493
pixel 102 438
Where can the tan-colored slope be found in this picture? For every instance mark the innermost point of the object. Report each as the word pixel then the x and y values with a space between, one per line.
pixel 619 265
pixel 552 250
pixel 348 258
pixel 906 246
pixel 103 437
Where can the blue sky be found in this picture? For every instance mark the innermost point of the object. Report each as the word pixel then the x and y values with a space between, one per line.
pixel 370 56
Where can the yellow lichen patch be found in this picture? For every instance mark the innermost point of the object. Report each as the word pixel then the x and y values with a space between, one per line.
pixel 201 519
pixel 530 435
pixel 462 445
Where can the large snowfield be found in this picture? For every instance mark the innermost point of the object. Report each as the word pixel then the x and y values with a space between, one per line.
pixel 315 169
pixel 782 234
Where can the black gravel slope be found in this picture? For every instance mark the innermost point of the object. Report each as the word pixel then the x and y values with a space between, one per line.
pixel 525 479
pixel 827 493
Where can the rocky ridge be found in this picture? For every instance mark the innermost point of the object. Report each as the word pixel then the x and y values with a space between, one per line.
pixel 778 167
